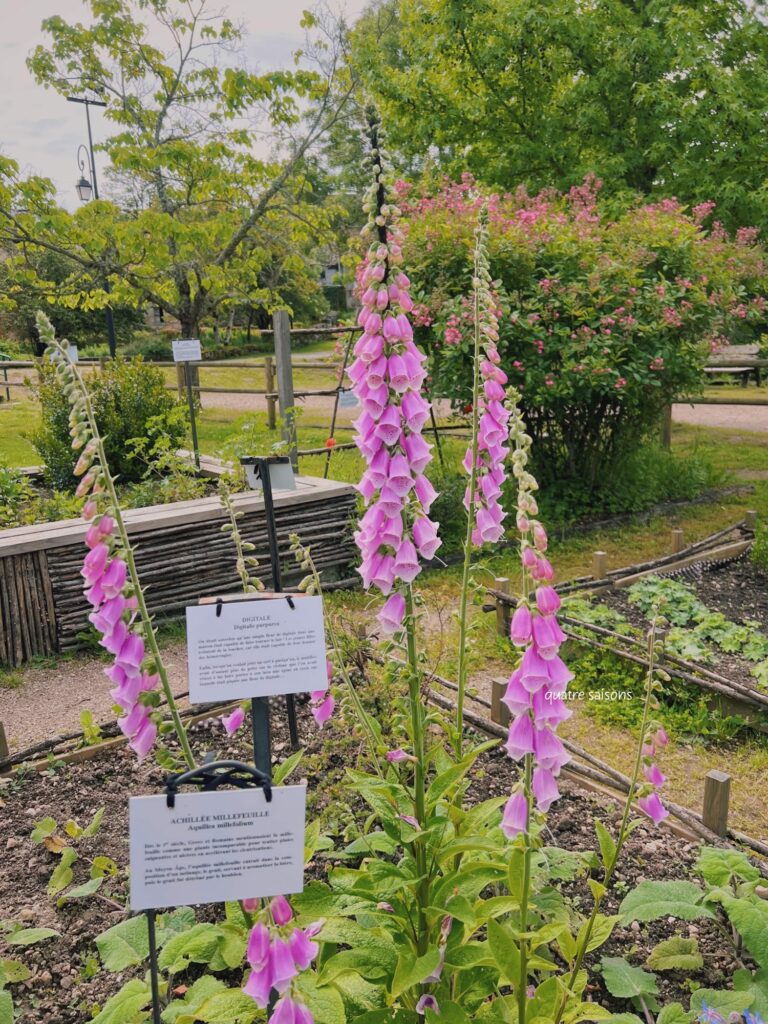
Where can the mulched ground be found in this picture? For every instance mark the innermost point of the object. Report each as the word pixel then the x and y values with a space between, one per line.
pixel 64 989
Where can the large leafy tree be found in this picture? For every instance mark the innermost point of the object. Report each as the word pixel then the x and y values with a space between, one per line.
pixel 199 216
pixel 653 96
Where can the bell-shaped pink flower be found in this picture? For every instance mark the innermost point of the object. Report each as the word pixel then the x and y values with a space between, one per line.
pixel 516 697
pixel 545 637
pixel 257 952
pixel 388 427
pixel 654 775
pixel 425 537
pixel 550 752
pixel 399 478
pixel 281 910
pixel 406 562
pixel 418 452
pixel 233 721
pixel 322 707
pixel 94 563
pixel 302 949
pixel 391 615
pixel 281 962
pixel 520 626
pixel 515 817
pixel 653 807
pixel 425 492
pixel 144 739
pixel 521 739
pixel 547 600
pixel 534 670
pixel 544 788
pixel 115 575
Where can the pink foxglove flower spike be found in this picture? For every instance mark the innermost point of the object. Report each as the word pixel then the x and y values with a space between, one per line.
pixel 395 533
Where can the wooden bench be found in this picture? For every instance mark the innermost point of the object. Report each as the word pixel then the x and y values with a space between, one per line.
pixel 743 372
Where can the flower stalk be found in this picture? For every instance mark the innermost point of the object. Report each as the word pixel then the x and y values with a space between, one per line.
pixel 114 586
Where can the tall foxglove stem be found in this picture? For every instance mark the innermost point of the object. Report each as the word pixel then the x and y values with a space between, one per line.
pixel 652 737
pixel 471 493
pixel 97 479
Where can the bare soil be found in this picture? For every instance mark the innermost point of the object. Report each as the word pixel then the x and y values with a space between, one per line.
pixel 64 987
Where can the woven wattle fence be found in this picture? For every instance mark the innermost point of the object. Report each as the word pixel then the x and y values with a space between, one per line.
pixel 181 554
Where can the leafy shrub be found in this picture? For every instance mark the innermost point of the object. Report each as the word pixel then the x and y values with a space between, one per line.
pixel 604 318
pixel 15 490
pixel 129 398
pixel 649 475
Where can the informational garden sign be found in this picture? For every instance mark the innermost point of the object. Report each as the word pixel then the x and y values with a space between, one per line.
pixel 217 846
pixel 258 648
pixel 187 350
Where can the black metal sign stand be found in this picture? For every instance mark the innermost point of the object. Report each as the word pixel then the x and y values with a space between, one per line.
pixel 208 777
pixel 213 774
pixel 191 403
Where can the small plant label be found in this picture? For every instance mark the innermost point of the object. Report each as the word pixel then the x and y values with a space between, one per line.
pixel 214 847
pixel 187 350
pixel 257 648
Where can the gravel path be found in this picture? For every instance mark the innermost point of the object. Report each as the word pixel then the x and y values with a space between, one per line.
pixel 49 700
pixel 737 417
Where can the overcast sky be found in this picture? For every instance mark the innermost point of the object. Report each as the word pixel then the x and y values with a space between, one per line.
pixel 41 131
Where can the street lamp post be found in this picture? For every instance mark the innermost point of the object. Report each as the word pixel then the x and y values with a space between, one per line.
pixel 88 186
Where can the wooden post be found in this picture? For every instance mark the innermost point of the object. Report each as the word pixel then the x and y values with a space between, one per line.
pixel 499 710
pixel 503 611
pixel 750 520
pixel 4 751
pixel 181 380
pixel 717 790
pixel 269 386
pixel 285 399
pixel 678 542
pixel 666 427
pixel 599 565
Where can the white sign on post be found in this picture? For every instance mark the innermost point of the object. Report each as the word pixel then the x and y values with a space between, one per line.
pixel 214 847
pixel 255 648
pixel 187 350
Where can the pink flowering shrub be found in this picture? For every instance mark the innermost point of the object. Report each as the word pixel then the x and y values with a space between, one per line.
pixel 602 318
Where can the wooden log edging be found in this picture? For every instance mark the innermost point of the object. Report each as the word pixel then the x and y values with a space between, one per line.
pixel 609 778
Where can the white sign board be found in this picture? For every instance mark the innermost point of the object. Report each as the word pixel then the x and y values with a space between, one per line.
pixel 214 847
pixel 187 350
pixel 255 648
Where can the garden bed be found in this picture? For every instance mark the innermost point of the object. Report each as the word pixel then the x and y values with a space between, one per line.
pixel 66 984
pixel 737 590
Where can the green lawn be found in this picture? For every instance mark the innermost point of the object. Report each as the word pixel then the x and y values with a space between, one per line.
pixel 17 420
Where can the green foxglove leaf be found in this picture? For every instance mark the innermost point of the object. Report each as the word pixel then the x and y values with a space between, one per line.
pixel 410 971
pixel 717 867
pixel 43 829
pixel 125 944
pixel 650 900
pixel 724 1002
pixel 128 1006
pixel 674 1013
pixel 30 936
pixel 750 918
pixel 81 891
pixel 12 972
pixel 62 873
pixel 627 982
pixel 505 951
pixel 676 954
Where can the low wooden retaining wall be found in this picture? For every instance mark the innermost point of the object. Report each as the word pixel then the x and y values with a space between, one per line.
pixel 181 555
